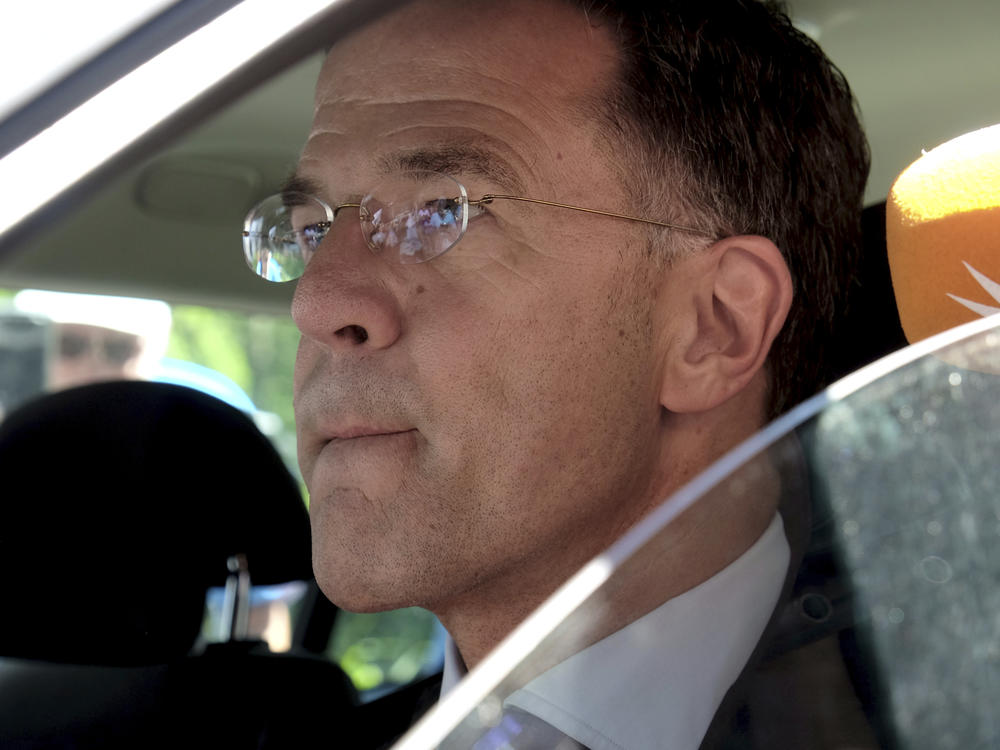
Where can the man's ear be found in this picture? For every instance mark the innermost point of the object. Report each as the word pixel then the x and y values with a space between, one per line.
pixel 734 300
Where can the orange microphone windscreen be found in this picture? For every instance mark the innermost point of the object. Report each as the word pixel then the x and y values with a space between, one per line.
pixel 943 235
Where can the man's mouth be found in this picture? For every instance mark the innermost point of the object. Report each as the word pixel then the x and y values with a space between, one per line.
pixel 355 432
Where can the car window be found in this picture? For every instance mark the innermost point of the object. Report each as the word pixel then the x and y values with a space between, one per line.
pixel 245 360
pixel 84 32
pixel 895 608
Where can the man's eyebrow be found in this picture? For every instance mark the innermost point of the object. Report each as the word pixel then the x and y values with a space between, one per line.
pixel 454 159
pixel 298 184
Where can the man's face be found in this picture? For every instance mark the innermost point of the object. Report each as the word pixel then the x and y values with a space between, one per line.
pixel 89 354
pixel 487 419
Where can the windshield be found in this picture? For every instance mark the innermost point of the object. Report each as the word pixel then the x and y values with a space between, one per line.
pixel 885 637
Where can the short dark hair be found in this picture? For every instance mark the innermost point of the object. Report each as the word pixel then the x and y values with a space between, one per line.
pixel 738 120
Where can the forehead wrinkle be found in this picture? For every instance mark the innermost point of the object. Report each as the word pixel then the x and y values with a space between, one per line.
pixel 385 117
pixel 511 109
pixel 340 112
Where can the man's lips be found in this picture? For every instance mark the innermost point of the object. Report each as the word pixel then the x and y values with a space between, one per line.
pixel 364 443
pixel 351 433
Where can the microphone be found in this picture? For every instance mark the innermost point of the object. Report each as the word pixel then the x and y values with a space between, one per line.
pixel 943 235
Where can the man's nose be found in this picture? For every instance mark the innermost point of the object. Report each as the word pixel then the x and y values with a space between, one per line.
pixel 344 300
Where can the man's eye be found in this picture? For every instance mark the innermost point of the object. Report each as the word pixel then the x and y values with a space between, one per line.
pixel 442 212
pixel 311 235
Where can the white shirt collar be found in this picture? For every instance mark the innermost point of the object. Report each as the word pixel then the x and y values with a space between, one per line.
pixel 454 667
pixel 658 681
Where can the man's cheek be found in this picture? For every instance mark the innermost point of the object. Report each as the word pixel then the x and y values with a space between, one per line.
pixel 497 261
pixel 306 357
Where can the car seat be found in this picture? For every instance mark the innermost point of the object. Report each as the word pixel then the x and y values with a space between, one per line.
pixel 122 504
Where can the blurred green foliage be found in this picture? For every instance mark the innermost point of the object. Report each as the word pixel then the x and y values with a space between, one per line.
pixel 257 351
pixel 385 648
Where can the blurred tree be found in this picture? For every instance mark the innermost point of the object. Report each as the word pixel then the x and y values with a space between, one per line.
pixel 257 351
pixel 381 650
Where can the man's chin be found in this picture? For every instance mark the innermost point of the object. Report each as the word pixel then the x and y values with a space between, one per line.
pixel 358 595
pixel 358 577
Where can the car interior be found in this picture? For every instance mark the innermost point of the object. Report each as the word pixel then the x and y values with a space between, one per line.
pixel 140 520
pixel 130 564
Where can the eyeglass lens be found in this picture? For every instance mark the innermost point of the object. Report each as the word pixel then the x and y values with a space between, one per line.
pixel 410 217
pixel 415 216
pixel 281 234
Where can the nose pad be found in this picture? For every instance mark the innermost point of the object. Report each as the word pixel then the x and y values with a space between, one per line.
pixel 344 299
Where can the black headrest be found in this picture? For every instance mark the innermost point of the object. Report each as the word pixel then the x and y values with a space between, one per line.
pixel 869 327
pixel 120 505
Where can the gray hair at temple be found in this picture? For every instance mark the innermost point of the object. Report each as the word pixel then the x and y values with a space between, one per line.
pixel 727 117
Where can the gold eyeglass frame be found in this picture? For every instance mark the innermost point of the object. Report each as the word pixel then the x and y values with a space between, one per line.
pixel 487 199
pixel 490 197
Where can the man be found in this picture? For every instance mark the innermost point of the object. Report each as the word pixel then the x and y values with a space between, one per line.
pixel 99 337
pixel 475 427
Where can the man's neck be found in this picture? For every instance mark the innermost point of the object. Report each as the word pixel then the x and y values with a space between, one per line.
pixel 699 543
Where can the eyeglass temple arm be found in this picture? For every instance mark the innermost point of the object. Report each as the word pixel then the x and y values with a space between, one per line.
pixel 489 198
